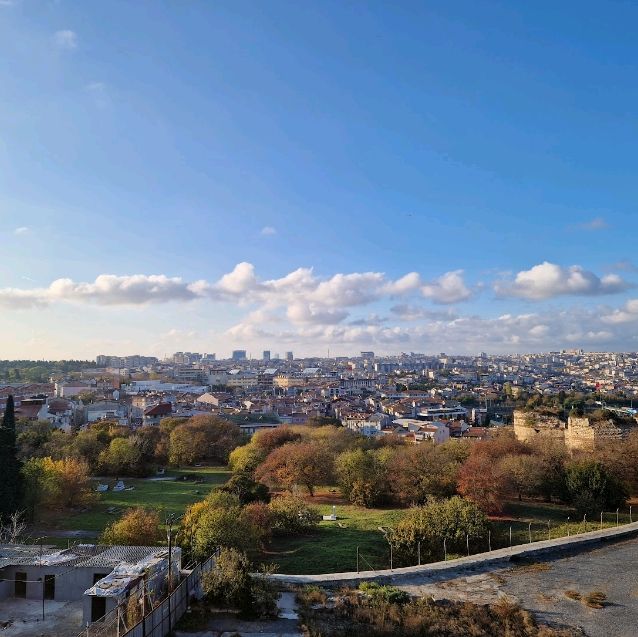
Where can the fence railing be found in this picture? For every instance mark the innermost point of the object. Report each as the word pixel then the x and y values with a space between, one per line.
pixel 162 617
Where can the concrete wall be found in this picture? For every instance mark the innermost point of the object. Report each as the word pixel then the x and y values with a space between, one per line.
pixel 70 582
pixel 583 541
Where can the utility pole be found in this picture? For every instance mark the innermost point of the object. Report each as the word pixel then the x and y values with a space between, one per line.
pixel 169 533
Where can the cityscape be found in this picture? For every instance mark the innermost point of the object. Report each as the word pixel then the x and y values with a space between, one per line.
pixel 319 319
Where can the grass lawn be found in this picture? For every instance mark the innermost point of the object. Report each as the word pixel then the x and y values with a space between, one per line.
pixel 167 496
pixel 333 547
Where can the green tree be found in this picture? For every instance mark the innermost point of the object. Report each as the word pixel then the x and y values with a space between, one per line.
pixel 592 488
pixel 453 520
pixel 362 477
pixel 10 475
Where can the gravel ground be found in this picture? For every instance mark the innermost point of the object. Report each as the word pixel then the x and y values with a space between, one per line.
pixel 540 587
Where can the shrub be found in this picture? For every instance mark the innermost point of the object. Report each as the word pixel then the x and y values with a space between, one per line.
pixel 290 515
pixel 231 585
pixel 387 594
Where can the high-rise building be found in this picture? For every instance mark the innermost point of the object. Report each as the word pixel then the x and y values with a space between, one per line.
pixel 239 355
pixel 368 355
pixel 289 356
pixel 266 355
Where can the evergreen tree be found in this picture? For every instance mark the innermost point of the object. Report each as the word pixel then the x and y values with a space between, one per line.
pixel 10 475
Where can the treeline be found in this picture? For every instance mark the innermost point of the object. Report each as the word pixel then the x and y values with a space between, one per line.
pixel 26 371
pixel 381 471
pixel 448 490
pixel 112 449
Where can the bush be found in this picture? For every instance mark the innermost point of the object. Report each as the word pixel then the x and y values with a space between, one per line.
pixel 231 585
pixel 291 515
pixel 386 594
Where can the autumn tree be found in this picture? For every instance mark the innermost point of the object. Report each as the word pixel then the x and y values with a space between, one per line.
pixel 204 438
pixel 137 527
pixel 122 457
pixel 482 481
pixel 425 470
pixel 308 464
pixel 270 439
pixel 61 484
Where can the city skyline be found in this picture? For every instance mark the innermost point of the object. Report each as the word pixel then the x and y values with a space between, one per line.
pixel 414 178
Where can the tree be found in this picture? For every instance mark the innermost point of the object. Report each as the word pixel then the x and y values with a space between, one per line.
pixel 301 463
pixel 422 471
pixel 61 484
pixel 246 458
pixel 482 481
pixel 362 476
pixel 32 438
pixel 453 520
pixel 225 527
pixel 204 438
pixel 122 457
pixel 524 475
pixel 291 515
pixel 246 489
pixel 137 527
pixel 269 439
pixel 592 488
pixel 10 475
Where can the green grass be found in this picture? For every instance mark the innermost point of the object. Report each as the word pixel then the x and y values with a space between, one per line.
pixel 333 548
pixel 166 496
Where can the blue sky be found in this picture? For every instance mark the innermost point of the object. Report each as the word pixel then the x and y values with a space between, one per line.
pixel 486 147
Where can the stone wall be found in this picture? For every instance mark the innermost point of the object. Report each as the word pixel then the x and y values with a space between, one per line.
pixel 583 434
pixel 528 425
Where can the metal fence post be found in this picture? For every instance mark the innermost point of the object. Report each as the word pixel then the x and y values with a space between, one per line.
pixel 357 559
pixel 510 538
pixel 567 526
pixel 601 520
pixel 617 517
pixel 529 532
pixel 489 540
pixel 467 543
pixel 419 552
pixel 444 550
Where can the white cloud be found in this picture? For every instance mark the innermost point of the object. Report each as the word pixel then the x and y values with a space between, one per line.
pixel 449 288
pixel 597 223
pixel 548 280
pixel 627 314
pixel 21 230
pixel 65 39
pixel 268 231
